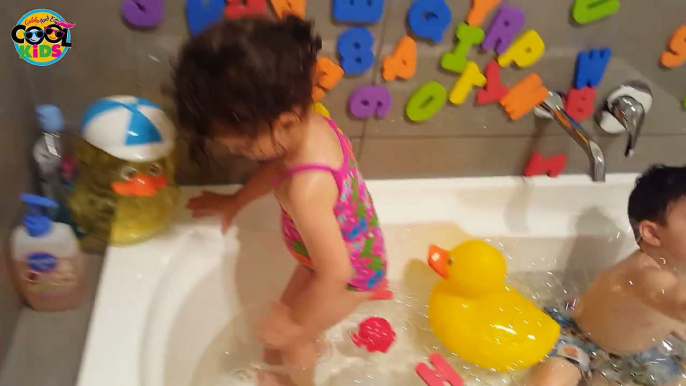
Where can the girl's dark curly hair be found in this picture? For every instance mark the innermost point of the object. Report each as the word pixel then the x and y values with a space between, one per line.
pixel 243 74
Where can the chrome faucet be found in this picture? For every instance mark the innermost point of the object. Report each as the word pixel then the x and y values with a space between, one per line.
pixel 626 109
pixel 554 106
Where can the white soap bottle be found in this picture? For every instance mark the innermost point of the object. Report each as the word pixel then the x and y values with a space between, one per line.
pixel 48 265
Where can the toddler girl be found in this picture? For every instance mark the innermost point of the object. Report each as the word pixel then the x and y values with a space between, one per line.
pixel 247 84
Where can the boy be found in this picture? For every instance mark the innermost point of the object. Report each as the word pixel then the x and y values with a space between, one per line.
pixel 614 337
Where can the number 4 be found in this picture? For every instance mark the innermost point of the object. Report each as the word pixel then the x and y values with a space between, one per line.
pixel 403 62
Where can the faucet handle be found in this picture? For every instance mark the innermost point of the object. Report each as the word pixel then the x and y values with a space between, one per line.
pixel 625 111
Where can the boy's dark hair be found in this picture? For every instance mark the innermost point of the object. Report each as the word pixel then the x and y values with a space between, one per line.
pixel 244 74
pixel 658 188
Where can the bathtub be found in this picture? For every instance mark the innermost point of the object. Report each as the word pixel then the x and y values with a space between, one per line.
pixel 162 303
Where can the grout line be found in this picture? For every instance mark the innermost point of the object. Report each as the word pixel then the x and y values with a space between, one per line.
pixel 376 71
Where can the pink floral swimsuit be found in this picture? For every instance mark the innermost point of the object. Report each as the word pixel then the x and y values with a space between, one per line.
pixel 356 218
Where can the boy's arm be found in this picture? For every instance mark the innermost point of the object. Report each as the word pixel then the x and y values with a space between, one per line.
pixel 259 184
pixel 660 290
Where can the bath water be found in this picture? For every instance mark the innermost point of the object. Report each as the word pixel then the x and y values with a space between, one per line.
pixel 232 357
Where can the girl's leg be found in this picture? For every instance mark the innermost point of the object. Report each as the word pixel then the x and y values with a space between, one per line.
pixel 301 358
pixel 299 280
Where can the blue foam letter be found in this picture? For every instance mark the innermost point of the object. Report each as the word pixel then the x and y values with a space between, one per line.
pixel 429 19
pixel 590 67
pixel 358 11
pixel 355 50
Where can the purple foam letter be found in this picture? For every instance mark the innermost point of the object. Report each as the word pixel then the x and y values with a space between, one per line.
pixel 369 100
pixel 503 29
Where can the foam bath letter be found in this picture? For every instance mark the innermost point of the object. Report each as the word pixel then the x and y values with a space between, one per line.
pixel 504 27
pixel 586 11
pixel 579 103
pixel 470 77
pixel 467 36
pixel 524 96
pixel 369 100
pixel 525 51
pixel 426 101
pixel 143 13
pixel 286 7
pixel 327 75
pixel 403 62
pixel 201 14
pixel 429 18
pixel 358 11
pixel 590 67
pixel 675 56
pixel 479 10
pixel 355 50
pixel 241 8
pixel 441 374
pixel 494 91
pixel 552 166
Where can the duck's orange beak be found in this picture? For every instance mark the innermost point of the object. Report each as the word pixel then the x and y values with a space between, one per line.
pixel 140 185
pixel 438 260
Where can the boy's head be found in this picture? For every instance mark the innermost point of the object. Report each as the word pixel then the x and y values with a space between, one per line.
pixel 657 209
pixel 244 82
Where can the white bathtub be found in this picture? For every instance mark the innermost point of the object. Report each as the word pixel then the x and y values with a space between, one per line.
pixel 161 303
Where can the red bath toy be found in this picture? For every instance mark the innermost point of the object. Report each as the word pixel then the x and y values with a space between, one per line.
pixel 375 334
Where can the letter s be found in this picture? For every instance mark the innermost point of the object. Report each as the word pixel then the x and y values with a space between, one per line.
pixel 56 51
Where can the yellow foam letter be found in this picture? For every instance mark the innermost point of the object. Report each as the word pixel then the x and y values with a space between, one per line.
pixel 471 77
pixel 525 51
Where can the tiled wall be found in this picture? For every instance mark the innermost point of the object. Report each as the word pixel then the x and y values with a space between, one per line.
pixel 17 131
pixel 109 58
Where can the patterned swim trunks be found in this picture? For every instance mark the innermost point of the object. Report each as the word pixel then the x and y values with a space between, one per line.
pixel 655 367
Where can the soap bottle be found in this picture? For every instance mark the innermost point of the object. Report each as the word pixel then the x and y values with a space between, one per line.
pixel 47 152
pixel 48 265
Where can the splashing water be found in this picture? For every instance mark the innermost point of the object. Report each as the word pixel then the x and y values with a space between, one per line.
pixel 233 356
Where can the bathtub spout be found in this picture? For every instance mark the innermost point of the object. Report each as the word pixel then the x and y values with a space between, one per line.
pixel 554 106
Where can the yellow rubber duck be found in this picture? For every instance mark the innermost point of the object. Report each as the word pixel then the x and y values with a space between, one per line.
pixel 479 318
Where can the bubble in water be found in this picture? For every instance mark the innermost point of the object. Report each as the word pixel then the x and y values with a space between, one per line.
pixel 343 364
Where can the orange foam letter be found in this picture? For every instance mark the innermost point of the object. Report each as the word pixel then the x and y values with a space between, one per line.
pixel 676 55
pixel 480 8
pixel 327 74
pixel 524 96
pixel 403 62
pixel 285 7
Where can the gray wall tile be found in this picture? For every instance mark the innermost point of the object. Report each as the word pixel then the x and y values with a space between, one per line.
pixel 17 132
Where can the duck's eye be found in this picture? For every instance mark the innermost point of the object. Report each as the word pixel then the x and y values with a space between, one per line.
pixel 155 169
pixel 127 172
pixel 450 261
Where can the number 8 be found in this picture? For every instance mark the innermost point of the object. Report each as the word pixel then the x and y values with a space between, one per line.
pixel 355 50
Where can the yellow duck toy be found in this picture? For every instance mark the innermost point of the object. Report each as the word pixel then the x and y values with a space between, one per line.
pixel 479 318
pixel 125 191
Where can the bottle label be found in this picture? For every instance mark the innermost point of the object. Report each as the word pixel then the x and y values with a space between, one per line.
pixel 42 262
pixel 47 274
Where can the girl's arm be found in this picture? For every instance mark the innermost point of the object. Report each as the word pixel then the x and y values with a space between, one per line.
pixel 310 202
pixel 261 183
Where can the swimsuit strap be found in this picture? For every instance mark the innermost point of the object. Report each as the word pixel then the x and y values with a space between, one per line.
pixel 315 166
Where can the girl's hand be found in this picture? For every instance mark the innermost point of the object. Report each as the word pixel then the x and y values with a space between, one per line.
pixel 279 330
pixel 215 204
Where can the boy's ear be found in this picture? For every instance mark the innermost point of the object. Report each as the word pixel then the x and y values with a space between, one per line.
pixel 649 234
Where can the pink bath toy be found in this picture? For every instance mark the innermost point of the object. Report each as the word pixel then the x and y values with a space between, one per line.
pixel 441 374
pixel 375 334
pixel 382 292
